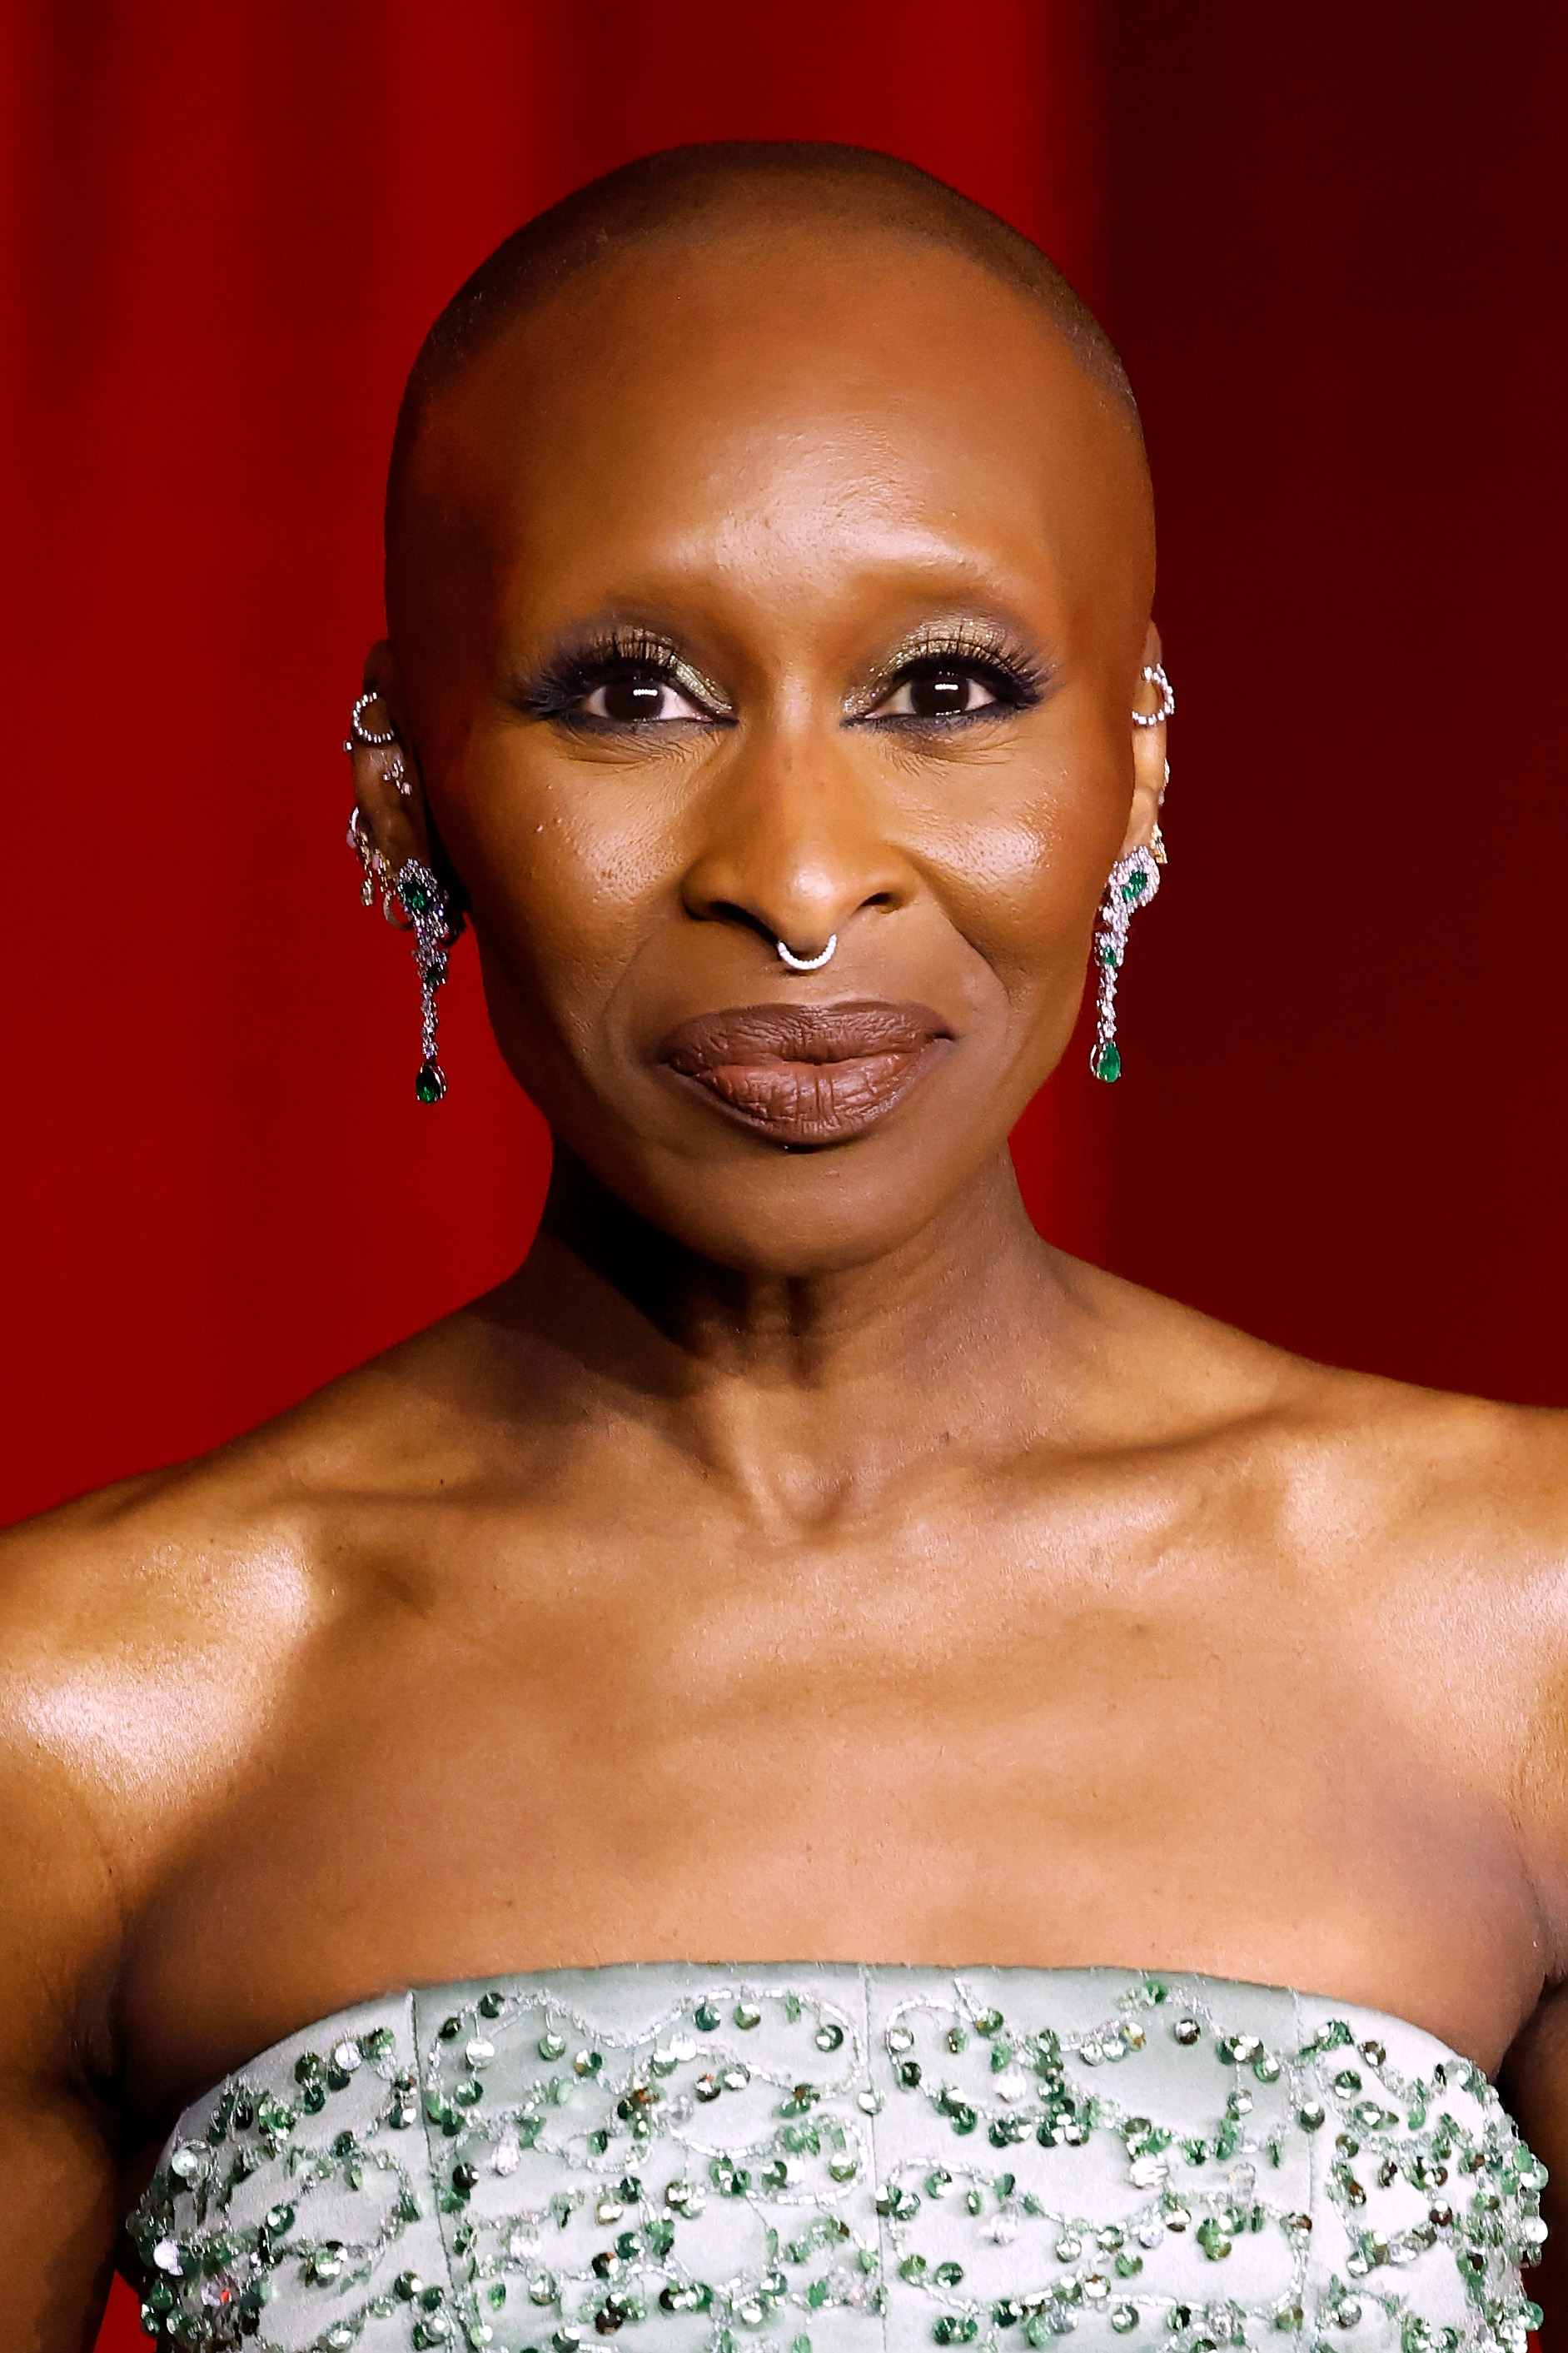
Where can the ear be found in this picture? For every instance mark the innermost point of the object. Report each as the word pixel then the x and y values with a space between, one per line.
pixel 1148 758
pixel 388 790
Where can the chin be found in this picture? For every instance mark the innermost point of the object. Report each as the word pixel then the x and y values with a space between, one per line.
pixel 798 1215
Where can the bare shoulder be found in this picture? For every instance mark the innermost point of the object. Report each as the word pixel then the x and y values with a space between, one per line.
pixel 1483 1480
pixel 147 1630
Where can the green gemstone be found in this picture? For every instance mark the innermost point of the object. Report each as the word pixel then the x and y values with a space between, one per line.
pixel 706 2016
pixel 1106 1061
pixel 429 1083
pixel 415 897
pixel 1211 2238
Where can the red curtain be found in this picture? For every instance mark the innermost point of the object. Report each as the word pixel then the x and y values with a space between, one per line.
pixel 230 229
pixel 1332 245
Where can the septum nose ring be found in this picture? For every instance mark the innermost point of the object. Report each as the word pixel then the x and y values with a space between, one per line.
pixel 806 964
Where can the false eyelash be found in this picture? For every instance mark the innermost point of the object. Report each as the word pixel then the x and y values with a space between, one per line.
pixel 576 671
pixel 1017 677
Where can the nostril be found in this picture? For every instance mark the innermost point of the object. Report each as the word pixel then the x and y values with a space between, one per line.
pixel 878 899
pixel 729 910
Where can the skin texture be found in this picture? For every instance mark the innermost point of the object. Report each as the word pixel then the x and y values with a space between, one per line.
pixel 799 1558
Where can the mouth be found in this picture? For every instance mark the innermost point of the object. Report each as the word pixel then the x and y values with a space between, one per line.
pixel 808 1075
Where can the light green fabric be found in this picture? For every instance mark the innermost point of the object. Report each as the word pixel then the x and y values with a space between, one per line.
pixel 806 2159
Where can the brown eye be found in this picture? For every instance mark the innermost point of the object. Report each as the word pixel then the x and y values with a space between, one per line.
pixel 636 697
pixel 937 691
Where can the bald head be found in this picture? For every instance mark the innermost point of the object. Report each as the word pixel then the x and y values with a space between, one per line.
pixel 693 194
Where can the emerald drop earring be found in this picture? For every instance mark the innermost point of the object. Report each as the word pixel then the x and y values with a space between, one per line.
pixel 427 916
pixel 1132 883
pixel 413 898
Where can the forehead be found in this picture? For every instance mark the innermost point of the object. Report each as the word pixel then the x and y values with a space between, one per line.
pixel 776 402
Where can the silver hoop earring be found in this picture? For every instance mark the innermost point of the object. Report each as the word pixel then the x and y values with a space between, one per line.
pixel 1132 883
pixel 806 964
pixel 1153 674
pixel 370 739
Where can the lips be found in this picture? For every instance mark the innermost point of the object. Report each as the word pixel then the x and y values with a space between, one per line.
pixel 807 1074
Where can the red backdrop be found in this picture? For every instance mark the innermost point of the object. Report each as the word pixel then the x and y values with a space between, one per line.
pixel 1331 247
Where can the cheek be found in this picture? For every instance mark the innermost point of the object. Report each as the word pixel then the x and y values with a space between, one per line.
pixel 567 875
pixel 1020 873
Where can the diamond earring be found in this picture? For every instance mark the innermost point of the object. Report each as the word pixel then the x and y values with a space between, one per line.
pixel 1132 883
pixel 413 900
pixel 428 917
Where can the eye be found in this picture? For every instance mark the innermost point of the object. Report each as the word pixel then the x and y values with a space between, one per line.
pixel 636 697
pixel 937 690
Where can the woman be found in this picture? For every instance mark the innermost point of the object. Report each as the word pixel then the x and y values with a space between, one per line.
pixel 845 1715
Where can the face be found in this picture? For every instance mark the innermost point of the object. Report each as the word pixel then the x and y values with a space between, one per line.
pixel 777 591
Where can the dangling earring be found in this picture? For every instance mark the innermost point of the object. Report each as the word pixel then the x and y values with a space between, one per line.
pixel 411 899
pixel 1132 883
pixel 427 916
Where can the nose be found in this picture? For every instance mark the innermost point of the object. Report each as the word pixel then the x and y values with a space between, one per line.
pixel 792 847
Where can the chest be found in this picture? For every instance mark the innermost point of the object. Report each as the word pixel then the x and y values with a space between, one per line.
pixel 1038 1753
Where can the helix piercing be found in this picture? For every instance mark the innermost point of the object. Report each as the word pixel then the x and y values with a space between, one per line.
pixel 373 739
pixel 1153 674
pixel 806 964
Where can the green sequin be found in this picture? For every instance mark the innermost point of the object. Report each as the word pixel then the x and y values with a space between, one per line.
pixel 829 2192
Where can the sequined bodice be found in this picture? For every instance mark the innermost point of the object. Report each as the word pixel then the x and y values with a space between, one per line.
pixel 839 2160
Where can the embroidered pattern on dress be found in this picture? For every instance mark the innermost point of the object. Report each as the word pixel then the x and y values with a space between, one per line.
pixel 818 2160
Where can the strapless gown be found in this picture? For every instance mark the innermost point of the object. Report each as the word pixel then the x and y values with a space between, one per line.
pixel 839 2160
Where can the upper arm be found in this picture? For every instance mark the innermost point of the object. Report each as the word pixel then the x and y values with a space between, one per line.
pixel 1535 2082
pixel 59 1936
pixel 58 2170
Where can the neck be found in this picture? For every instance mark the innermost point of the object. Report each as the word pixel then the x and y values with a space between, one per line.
pixel 796 1386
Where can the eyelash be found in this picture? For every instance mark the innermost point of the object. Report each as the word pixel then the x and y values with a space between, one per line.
pixel 571 678
pixel 1014 677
